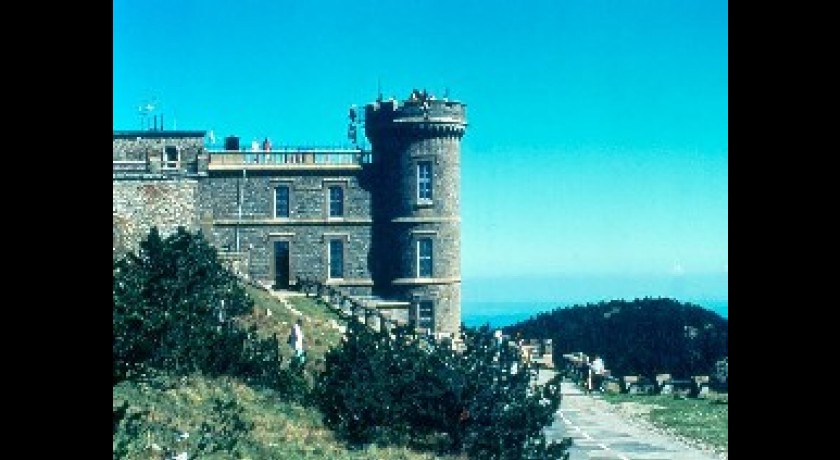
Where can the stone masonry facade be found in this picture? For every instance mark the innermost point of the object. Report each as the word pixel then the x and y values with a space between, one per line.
pixel 383 223
pixel 140 204
pixel 420 137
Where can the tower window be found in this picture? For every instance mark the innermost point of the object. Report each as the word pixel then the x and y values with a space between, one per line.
pixel 424 181
pixel 336 256
pixel 424 258
pixel 336 201
pixel 426 314
pixel 281 201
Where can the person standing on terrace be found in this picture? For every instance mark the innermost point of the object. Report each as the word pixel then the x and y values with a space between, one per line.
pixel 266 145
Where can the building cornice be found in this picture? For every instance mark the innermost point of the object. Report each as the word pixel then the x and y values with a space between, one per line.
pixel 421 220
pixel 292 222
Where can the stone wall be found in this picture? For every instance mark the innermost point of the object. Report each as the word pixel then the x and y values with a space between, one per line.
pixel 446 248
pixel 139 205
pixel 447 304
pixel 150 149
pixel 445 156
pixel 307 229
pixel 308 247
pixel 308 194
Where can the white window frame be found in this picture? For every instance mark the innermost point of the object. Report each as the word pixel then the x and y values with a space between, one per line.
pixel 421 257
pixel 429 180
pixel 330 201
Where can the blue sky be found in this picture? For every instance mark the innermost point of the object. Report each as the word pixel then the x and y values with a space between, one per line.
pixel 595 164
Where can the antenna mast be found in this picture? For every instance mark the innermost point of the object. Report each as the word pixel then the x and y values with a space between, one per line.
pixel 144 110
pixel 351 126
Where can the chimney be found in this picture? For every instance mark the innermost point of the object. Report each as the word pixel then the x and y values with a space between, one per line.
pixel 155 125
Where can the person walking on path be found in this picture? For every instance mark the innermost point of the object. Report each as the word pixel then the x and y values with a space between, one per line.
pixel 597 371
pixel 297 340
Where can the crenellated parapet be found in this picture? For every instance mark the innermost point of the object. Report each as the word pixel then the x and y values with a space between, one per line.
pixel 419 116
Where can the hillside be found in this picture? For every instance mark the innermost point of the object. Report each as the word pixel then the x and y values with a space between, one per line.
pixel 201 368
pixel 639 337
pixel 167 416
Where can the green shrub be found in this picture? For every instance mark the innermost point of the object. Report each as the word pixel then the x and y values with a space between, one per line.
pixel 174 310
pixel 403 389
pixel 225 430
pixel 127 429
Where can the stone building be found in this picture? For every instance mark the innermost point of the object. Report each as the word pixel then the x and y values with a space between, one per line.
pixel 381 224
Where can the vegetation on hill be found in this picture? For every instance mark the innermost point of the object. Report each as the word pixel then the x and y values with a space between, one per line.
pixel 176 310
pixel 199 372
pixel 403 389
pixel 645 337
pixel 224 417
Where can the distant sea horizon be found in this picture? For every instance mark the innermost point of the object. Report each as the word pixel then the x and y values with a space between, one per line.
pixel 476 313
pixel 493 299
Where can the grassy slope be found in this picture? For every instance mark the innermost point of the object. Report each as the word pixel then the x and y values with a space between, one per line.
pixel 280 429
pixel 288 431
pixel 318 327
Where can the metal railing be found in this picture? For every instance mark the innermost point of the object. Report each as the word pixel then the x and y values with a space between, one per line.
pixel 290 157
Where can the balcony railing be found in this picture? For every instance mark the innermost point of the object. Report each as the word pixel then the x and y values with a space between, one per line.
pixel 235 159
pixel 302 157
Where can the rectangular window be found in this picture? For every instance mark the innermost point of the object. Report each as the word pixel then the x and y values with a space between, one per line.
pixel 336 262
pixel 336 201
pixel 424 258
pixel 424 181
pixel 170 157
pixel 426 314
pixel 281 201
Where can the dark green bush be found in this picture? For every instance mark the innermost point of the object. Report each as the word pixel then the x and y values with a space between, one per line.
pixel 403 389
pixel 127 428
pixel 174 305
pixel 225 430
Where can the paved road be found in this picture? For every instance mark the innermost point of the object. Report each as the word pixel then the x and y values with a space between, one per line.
pixel 599 432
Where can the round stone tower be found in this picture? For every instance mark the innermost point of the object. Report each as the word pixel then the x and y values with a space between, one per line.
pixel 416 146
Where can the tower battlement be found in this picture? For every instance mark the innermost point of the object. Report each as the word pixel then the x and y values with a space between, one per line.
pixel 417 115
